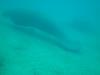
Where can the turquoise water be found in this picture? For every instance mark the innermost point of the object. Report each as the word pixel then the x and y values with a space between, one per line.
pixel 46 37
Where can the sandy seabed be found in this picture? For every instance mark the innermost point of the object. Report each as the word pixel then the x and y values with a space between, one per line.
pixel 24 55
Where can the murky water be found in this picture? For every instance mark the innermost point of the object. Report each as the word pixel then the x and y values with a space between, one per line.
pixel 49 37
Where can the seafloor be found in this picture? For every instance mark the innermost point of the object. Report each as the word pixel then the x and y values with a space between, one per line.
pixel 22 54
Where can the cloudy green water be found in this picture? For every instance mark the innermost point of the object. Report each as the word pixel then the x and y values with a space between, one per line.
pixel 21 54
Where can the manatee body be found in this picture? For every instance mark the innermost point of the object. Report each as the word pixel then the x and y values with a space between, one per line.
pixel 30 23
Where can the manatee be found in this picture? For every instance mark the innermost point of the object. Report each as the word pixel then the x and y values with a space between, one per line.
pixel 34 25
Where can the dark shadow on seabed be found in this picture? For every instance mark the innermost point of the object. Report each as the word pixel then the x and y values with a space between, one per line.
pixel 33 25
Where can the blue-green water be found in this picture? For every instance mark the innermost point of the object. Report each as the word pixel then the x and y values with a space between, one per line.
pixel 46 37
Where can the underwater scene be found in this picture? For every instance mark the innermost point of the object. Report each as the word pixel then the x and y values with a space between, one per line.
pixel 49 37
